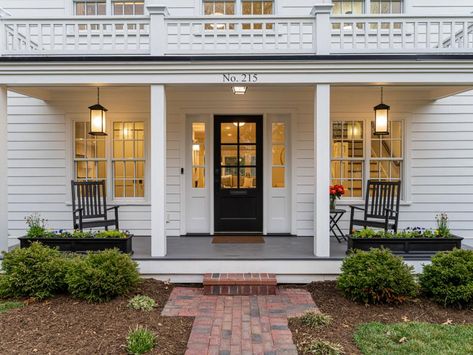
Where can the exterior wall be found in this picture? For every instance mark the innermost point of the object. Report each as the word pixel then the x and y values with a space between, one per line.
pixel 438 159
pixel 35 8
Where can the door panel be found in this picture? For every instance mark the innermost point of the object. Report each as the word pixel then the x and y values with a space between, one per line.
pixel 238 174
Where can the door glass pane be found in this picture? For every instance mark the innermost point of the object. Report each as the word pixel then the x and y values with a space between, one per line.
pixel 279 155
pixel 198 178
pixel 278 133
pixel 229 155
pixel 228 133
pixel 278 177
pixel 248 155
pixel 248 178
pixel 229 178
pixel 247 132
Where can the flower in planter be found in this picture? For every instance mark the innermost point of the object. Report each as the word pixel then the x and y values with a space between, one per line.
pixel 442 225
pixel 336 192
pixel 36 225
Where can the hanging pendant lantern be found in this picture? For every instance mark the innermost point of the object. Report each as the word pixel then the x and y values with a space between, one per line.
pixel 97 118
pixel 381 118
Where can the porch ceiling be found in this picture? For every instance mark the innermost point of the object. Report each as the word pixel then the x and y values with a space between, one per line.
pixel 47 93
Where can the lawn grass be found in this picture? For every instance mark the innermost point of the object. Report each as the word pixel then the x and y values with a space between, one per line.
pixel 6 306
pixel 414 338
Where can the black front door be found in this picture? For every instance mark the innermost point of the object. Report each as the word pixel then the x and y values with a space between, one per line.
pixel 238 174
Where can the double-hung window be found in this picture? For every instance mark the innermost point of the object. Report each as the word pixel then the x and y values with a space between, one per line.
pixel 348 7
pixel 90 8
pixel 358 155
pixel 128 8
pixel 118 158
pixel 219 7
pixel 386 7
pixel 257 7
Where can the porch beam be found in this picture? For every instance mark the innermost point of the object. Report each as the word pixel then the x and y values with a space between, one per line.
pixel 158 170
pixel 3 168
pixel 322 170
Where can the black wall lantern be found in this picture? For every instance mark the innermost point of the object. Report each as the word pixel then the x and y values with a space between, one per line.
pixel 381 118
pixel 97 118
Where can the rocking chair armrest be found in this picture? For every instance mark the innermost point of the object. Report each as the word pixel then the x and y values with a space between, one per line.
pixel 353 207
pixel 79 209
pixel 113 208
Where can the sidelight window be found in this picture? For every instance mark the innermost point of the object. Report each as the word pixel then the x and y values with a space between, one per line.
pixel 198 155
pixel 278 151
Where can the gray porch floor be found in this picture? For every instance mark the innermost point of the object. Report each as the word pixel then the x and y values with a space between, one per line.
pixel 275 247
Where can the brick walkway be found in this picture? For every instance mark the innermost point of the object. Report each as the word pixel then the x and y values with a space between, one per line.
pixel 228 325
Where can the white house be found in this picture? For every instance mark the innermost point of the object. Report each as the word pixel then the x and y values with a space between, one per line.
pixel 235 116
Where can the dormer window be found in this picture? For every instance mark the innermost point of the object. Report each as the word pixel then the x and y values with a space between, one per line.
pixel 90 8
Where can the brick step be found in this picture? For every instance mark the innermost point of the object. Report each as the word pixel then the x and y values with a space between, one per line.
pixel 240 284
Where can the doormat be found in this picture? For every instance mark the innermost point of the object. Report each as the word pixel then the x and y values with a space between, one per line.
pixel 238 239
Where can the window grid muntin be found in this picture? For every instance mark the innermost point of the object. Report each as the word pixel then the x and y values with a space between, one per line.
pixel 379 7
pixel 348 7
pixel 134 160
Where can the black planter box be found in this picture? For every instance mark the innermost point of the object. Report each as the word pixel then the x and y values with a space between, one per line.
pixel 407 246
pixel 78 245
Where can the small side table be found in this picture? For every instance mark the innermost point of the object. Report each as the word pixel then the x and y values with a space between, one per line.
pixel 335 216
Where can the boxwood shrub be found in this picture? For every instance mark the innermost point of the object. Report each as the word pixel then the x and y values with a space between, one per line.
pixel 376 276
pixel 99 277
pixel 37 271
pixel 449 279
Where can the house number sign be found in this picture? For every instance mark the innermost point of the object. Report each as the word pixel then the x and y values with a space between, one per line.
pixel 244 78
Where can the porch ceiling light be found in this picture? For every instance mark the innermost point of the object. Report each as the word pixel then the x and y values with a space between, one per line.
pixel 239 90
pixel 381 118
pixel 97 118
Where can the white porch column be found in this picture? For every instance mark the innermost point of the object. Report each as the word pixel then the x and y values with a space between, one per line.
pixel 3 169
pixel 158 170
pixel 322 170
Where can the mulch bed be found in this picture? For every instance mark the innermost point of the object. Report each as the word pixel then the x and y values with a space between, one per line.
pixel 348 315
pixel 63 325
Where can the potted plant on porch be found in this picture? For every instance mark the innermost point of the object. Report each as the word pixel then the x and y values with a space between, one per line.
pixel 76 241
pixel 410 241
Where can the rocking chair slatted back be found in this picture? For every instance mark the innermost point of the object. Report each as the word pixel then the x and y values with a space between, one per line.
pixel 382 199
pixel 89 205
pixel 90 197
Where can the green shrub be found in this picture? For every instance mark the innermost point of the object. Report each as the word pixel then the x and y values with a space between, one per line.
pixel 6 306
pixel 99 277
pixel 142 303
pixel 449 279
pixel 376 276
pixel 314 320
pixel 111 234
pixel 140 341
pixel 37 271
pixel 323 347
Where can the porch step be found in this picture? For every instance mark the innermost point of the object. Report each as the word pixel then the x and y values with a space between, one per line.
pixel 240 284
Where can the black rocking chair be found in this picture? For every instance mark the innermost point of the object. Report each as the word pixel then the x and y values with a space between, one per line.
pixel 89 205
pixel 381 206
